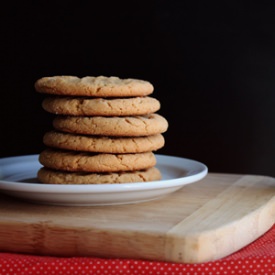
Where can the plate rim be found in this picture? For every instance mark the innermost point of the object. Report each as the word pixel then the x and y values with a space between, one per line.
pixel 13 186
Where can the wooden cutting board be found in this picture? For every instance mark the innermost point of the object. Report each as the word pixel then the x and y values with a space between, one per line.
pixel 202 221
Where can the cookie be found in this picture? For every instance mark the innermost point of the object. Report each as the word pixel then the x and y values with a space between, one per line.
pixel 105 130
pixel 85 162
pixel 57 177
pixel 100 86
pixel 112 126
pixel 78 106
pixel 103 144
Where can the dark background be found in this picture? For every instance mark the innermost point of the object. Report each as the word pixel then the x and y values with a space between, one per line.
pixel 212 65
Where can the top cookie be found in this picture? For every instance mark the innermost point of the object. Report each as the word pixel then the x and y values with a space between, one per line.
pixel 100 86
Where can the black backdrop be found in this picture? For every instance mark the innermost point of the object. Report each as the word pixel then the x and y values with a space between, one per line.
pixel 212 65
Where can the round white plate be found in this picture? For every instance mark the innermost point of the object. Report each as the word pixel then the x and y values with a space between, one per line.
pixel 18 179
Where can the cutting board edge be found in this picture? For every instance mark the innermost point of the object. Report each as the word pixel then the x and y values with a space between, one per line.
pixel 179 248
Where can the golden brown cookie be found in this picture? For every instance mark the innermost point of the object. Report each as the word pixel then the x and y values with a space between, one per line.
pixel 58 177
pixel 132 106
pixel 89 162
pixel 103 144
pixel 99 86
pixel 112 126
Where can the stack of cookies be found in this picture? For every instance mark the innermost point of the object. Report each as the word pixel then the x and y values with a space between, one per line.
pixel 106 130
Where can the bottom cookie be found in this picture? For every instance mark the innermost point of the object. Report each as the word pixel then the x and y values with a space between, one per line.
pixel 49 176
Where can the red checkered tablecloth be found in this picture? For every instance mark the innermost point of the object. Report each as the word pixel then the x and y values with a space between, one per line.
pixel 256 258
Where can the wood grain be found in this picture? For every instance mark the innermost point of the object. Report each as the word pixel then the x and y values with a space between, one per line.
pixel 203 221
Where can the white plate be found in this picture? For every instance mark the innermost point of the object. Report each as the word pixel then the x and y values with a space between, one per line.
pixel 18 179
